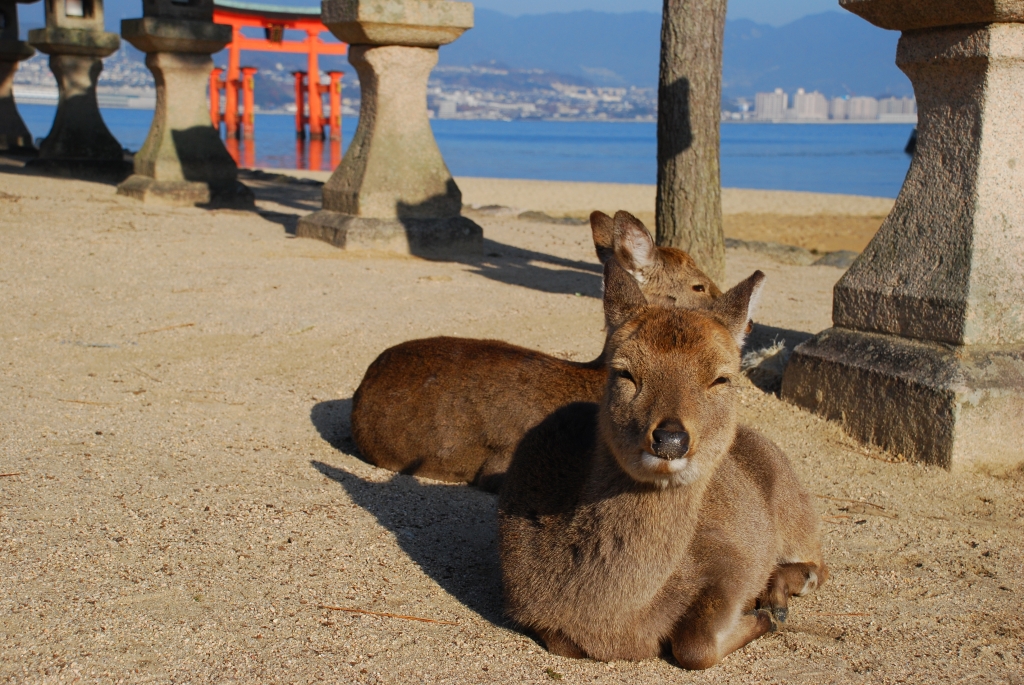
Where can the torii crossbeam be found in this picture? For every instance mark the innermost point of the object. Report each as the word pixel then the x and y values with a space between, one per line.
pixel 275 20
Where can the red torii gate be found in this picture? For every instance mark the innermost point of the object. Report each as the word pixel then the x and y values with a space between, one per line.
pixel 274 20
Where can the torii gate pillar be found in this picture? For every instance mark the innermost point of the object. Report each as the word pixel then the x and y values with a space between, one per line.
pixel 926 356
pixel 392 191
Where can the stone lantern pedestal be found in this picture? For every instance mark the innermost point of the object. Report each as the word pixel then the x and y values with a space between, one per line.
pixel 14 135
pixel 926 356
pixel 79 142
pixel 393 191
pixel 183 161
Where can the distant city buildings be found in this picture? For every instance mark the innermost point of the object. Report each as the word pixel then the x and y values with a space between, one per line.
pixel 810 106
pixel 862 109
pixel 814 106
pixel 771 106
pixel 495 92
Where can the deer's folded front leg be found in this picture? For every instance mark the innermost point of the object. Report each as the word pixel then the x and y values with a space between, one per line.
pixel 716 625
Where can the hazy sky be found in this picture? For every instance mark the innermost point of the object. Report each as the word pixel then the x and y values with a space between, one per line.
pixel 775 12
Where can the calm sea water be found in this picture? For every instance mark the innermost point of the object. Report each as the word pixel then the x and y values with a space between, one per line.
pixel 850 159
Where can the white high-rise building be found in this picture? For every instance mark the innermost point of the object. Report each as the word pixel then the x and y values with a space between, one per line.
pixel 771 106
pixel 839 109
pixel 862 109
pixel 894 105
pixel 898 110
pixel 809 106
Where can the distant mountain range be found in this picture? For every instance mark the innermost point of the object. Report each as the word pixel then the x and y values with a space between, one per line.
pixel 834 52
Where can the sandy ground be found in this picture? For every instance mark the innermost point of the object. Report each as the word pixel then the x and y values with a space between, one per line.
pixel 814 221
pixel 176 386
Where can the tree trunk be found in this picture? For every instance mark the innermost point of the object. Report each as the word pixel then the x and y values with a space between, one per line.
pixel 689 206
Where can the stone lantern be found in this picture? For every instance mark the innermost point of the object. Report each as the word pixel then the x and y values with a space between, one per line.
pixel 926 355
pixel 393 191
pixel 79 141
pixel 14 135
pixel 183 160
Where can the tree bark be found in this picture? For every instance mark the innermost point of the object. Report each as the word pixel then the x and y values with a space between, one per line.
pixel 689 205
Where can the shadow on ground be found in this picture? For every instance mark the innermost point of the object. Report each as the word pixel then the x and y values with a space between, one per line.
pixel 498 261
pixel 766 353
pixel 333 420
pixel 109 173
pixel 449 531
pixel 536 270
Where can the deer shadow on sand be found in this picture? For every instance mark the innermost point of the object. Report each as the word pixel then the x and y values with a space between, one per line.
pixel 449 531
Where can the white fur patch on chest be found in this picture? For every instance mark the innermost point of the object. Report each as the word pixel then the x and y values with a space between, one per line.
pixel 670 472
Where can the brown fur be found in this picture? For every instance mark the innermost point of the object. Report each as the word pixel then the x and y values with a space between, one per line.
pixel 610 552
pixel 454 409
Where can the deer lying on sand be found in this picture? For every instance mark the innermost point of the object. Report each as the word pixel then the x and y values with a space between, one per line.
pixel 454 409
pixel 653 519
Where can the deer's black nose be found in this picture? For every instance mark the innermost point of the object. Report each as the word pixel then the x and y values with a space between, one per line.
pixel 670 441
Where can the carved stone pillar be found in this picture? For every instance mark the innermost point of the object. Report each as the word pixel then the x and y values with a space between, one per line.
pixel 183 161
pixel 393 191
pixel 14 135
pixel 79 142
pixel 926 356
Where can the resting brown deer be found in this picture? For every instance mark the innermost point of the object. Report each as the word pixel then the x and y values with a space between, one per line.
pixel 454 409
pixel 652 519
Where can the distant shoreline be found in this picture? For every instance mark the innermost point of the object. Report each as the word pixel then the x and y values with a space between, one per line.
pixel 137 106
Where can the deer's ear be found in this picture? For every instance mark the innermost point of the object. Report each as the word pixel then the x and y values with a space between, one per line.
pixel 735 309
pixel 603 228
pixel 623 298
pixel 634 245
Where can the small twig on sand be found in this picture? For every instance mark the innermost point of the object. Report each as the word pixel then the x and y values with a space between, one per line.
pixel 166 328
pixel 836 519
pixel 5 475
pixel 850 501
pixel 143 373
pixel 386 615
pixel 819 613
pixel 97 404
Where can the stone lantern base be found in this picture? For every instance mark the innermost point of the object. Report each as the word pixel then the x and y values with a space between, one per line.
pixel 183 161
pixel 15 137
pixel 185 193
pixel 955 407
pixel 79 143
pixel 421 237
pixel 926 356
pixel 393 191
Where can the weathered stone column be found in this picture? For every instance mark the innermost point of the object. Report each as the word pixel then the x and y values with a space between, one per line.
pixel 79 142
pixel 926 356
pixel 393 191
pixel 183 160
pixel 14 135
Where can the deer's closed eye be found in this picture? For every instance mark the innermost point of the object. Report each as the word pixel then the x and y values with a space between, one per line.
pixel 721 380
pixel 625 375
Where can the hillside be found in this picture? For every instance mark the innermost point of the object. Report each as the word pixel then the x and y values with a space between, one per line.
pixel 834 52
